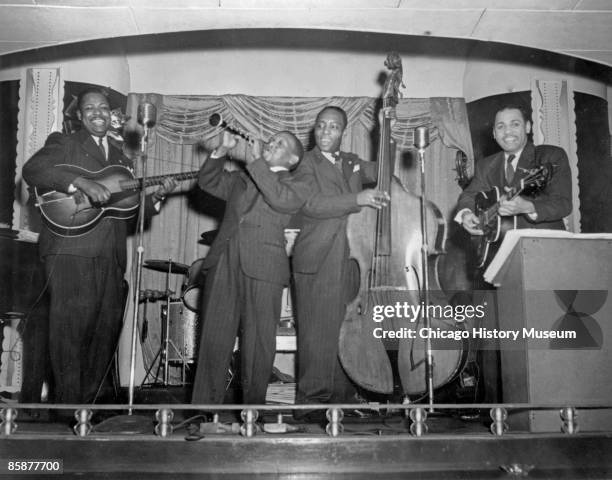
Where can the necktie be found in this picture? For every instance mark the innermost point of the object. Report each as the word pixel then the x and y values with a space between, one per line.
pixel 509 169
pixel 101 145
pixel 337 161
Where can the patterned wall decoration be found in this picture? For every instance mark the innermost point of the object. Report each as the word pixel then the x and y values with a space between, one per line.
pixel 554 123
pixel 40 113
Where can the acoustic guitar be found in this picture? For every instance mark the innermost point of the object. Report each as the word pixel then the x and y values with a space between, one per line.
pixel 73 214
pixel 495 226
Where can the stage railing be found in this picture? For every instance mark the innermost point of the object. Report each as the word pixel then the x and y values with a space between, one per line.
pixel 415 414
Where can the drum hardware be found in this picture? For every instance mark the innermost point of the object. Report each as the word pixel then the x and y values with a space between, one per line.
pixel 164 349
pixel 180 331
pixel 154 295
pixel 166 266
pixel 150 296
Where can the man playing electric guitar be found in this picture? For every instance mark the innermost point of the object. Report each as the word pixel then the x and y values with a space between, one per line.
pixel 505 170
pixel 85 272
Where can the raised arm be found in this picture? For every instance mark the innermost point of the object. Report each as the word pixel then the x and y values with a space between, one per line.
pixel 281 191
pixel 214 179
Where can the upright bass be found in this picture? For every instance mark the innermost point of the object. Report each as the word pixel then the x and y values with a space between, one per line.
pixel 386 245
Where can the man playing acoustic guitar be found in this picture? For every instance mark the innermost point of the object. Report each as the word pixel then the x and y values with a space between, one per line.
pixel 84 272
pixel 507 171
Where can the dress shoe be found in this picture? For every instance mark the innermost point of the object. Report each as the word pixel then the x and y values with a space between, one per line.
pixel 310 416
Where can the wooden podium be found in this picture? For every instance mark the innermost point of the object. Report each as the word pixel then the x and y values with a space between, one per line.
pixel 552 281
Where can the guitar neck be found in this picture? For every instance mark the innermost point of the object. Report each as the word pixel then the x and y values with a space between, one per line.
pixel 156 180
pixel 513 193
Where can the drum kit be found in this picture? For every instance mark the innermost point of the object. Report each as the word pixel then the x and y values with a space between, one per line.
pixel 179 317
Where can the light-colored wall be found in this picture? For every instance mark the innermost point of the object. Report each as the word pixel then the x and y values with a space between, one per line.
pixel 100 63
pixel 282 72
pixel 219 63
pixel 484 78
pixel 493 69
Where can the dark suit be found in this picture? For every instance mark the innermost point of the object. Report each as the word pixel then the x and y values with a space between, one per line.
pixel 247 270
pixel 553 203
pixel 322 272
pixel 85 273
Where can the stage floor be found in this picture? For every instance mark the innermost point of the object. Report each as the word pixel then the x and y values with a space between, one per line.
pixel 377 447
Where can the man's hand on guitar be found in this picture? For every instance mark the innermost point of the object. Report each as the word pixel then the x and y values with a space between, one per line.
pixel 96 192
pixel 168 184
pixel 470 222
pixel 373 198
pixel 516 206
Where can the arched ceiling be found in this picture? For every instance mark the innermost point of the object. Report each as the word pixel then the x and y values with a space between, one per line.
pixel 579 28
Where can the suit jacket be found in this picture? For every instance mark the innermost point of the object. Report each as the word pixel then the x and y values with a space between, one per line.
pixel 259 206
pixel 333 198
pixel 551 205
pixel 42 171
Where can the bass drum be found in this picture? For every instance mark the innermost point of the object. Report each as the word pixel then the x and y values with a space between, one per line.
pixel 192 292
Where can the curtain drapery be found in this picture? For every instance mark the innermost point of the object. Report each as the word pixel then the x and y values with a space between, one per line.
pixel 183 135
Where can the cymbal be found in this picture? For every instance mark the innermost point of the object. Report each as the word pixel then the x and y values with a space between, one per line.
pixel 166 266
pixel 207 238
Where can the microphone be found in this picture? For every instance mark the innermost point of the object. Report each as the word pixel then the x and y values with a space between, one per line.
pixel 147 114
pixel 421 138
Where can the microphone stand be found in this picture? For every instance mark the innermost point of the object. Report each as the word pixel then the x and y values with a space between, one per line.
pixel 130 423
pixel 422 144
pixel 139 261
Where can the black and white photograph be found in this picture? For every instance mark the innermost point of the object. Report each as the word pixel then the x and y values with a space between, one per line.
pixel 315 239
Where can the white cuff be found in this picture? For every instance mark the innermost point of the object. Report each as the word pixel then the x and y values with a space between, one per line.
pixel 458 218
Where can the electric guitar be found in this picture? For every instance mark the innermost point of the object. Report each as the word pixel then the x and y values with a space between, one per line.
pixel 495 226
pixel 73 214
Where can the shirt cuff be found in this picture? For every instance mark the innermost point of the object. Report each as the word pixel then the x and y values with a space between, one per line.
pixel 458 217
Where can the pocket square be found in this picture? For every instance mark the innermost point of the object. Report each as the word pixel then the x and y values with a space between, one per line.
pixel 356 168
